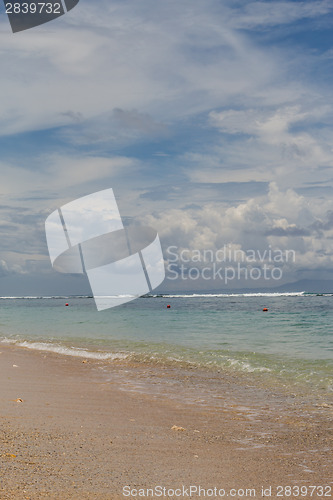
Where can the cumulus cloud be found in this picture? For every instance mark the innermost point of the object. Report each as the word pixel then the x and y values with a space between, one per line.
pixel 305 228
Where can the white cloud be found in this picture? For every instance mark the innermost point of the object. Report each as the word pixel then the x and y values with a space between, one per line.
pixel 282 144
pixel 119 127
pixel 253 225
pixel 264 14
pixel 167 65
pixel 60 172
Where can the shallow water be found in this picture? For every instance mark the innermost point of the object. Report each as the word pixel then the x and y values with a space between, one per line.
pixel 291 343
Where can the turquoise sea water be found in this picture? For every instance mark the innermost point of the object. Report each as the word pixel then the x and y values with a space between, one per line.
pixel 292 342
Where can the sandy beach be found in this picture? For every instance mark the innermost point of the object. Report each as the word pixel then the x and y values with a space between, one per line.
pixel 70 432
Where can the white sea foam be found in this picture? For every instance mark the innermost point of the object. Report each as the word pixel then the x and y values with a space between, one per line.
pixel 246 367
pixel 180 295
pixel 67 351
pixel 84 353
pixel 258 294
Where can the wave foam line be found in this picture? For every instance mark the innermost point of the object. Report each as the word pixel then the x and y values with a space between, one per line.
pixel 258 294
pixel 67 351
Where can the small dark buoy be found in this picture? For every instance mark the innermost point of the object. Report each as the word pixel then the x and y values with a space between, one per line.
pixel 67 304
pixel 168 306
pixel 265 309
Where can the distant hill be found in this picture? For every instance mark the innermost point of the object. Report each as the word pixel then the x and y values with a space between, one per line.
pixel 311 286
pixel 314 286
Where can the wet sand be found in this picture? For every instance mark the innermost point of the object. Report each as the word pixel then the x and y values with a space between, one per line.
pixel 85 430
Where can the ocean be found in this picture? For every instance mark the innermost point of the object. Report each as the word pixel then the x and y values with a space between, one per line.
pixel 290 344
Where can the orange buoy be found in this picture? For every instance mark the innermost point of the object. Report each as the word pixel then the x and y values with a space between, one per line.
pixel 168 306
pixel 67 304
pixel 265 309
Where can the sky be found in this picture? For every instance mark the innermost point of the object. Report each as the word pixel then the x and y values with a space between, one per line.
pixel 210 120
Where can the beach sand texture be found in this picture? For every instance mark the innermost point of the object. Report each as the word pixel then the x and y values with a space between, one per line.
pixel 67 433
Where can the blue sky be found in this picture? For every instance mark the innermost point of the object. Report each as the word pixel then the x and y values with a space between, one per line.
pixel 211 121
